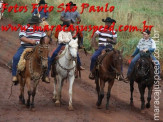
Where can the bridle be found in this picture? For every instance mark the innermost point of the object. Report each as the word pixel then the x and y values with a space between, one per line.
pixel 33 77
pixel 68 70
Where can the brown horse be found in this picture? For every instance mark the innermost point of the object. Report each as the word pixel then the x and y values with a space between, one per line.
pixel 106 71
pixel 35 64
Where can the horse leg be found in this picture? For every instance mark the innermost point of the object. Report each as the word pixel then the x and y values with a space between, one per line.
pixel 58 101
pixel 101 93
pixel 131 90
pixel 142 90
pixel 149 97
pixel 110 84
pixel 71 81
pixel 22 84
pixel 29 91
pixel 34 93
pixel 54 92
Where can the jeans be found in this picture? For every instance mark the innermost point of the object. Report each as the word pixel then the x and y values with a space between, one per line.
pixel 95 56
pixel 55 53
pixel 16 59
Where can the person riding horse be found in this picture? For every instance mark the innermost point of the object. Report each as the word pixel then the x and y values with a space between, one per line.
pixel 146 44
pixel 106 40
pixel 73 17
pixel 29 39
pixel 43 15
pixel 63 38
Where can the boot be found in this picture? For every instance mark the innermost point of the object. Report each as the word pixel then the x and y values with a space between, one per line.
pixel 15 80
pixel 91 76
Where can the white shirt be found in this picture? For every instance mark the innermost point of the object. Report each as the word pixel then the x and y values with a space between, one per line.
pixel 146 44
pixel 64 37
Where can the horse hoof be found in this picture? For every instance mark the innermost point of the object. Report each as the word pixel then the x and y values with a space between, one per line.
pixel 70 108
pixel 54 99
pixel 32 109
pixel 143 111
pixel 147 105
pixel 131 104
pixel 107 107
pixel 57 103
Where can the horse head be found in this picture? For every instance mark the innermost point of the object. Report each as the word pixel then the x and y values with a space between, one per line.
pixel 73 48
pixel 117 61
pixel 142 67
pixel 42 51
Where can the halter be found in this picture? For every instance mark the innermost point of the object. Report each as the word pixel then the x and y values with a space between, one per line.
pixel 68 70
pixel 42 58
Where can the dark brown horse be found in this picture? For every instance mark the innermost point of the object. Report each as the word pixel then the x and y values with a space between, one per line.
pixel 107 70
pixel 35 64
pixel 143 74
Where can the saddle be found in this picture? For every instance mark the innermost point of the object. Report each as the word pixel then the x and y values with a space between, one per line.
pixel 53 71
pixel 101 57
pixel 24 56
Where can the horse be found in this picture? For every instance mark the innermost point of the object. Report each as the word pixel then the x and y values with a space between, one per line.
pixel 35 63
pixel 65 68
pixel 143 74
pixel 107 69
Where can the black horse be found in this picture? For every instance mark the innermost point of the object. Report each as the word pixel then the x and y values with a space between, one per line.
pixel 143 74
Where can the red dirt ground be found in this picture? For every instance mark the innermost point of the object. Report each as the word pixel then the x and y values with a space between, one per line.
pixel 84 96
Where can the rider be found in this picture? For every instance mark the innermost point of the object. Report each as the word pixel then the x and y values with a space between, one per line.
pixel 28 40
pixel 145 44
pixel 43 15
pixel 73 17
pixel 106 40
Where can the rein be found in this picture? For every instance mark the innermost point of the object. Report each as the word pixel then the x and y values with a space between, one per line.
pixel 33 77
pixel 68 70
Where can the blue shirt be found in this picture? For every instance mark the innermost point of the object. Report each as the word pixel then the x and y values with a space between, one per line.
pixel 42 13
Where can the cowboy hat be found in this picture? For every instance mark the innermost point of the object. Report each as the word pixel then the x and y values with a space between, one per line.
pixel 70 4
pixel 65 23
pixel 42 2
pixel 108 19
pixel 146 31
pixel 34 20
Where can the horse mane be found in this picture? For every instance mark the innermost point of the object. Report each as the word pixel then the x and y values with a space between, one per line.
pixel 63 52
pixel 74 43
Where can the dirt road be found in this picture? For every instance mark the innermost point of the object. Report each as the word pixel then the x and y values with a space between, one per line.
pixel 84 96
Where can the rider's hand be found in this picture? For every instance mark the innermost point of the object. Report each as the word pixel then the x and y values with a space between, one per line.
pixel 43 19
pixel 145 50
pixel 33 42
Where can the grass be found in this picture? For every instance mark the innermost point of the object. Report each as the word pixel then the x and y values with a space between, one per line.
pixel 132 12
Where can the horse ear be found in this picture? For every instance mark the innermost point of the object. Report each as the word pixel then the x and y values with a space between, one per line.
pixel 114 50
pixel 42 41
pixel 122 50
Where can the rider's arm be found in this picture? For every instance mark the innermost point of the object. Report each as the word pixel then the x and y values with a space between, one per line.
pixel 62 17
pixel 46 15
pixel 35 12
pixel 112 41
pixel 23 38
pixel 135 52
pixel 26 40
pixel 78 18
pixel 152 49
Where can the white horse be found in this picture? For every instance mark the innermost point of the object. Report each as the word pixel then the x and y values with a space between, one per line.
pixel 65 68
pixel 1 14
